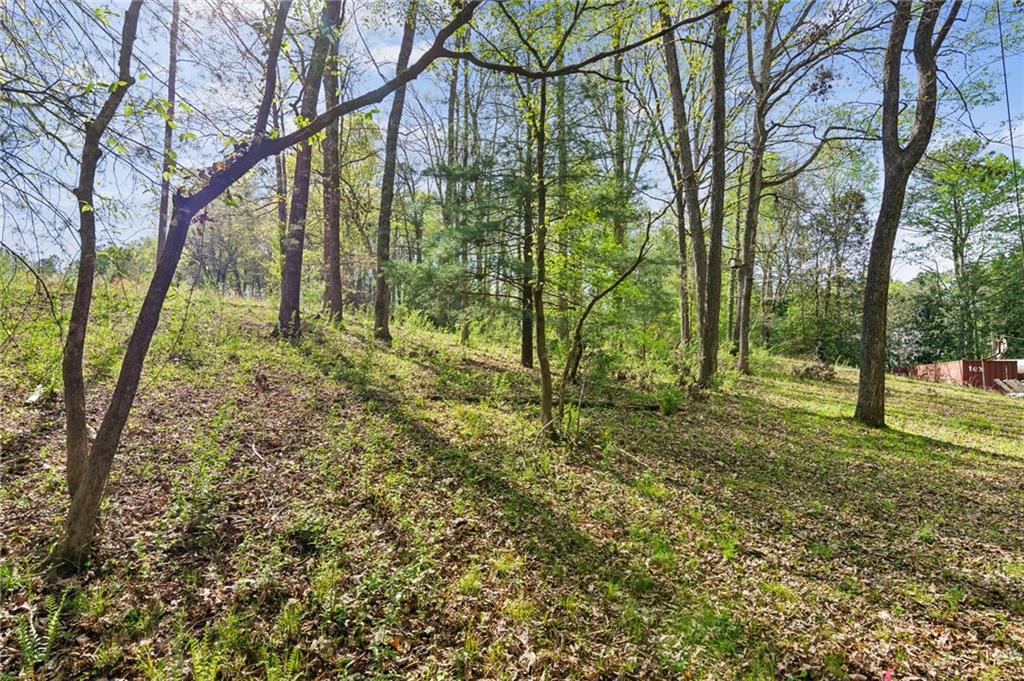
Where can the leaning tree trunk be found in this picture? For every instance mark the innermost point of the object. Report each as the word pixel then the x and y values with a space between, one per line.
pixel 165 167
pixel 74 347
pixel 382 300
pixel 80 524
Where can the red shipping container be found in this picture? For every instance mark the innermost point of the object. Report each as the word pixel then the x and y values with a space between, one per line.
pixel 973 372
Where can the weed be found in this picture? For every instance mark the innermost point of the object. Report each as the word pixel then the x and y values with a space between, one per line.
pixel 670 398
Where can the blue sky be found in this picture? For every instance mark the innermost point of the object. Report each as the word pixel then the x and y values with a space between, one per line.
pixel 381 46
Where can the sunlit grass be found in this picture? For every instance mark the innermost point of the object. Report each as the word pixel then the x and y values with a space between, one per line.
pixel 330 505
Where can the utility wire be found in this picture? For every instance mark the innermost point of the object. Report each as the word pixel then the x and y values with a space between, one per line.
pixel 1009 125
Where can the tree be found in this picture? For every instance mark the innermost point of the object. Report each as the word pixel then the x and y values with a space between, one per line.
pixel 80 525
pixel 544 69
pixel 331 152
pixel 288 320
pixel 382 301
pixel 899 160
pixel 77 439
pixel 707 255
pixel 168 160
pixel 789 55
pixel 959 207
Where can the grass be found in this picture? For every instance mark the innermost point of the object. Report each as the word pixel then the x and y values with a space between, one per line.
pixel 339 509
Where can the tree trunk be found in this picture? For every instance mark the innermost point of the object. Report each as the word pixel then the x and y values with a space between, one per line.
pixel 281 193
pixel 755 185
pixel 165 167
pixel 563 172
pixel 332 192
pixel 288 321
pixel 288 317
pixel 899 161
pixel 80 525
pixel 713 299
pixel 381 306
pixel 684 288
pixel 464 202
pixel 74 348
pixel 871 384
pixel 526 336
pixel 619 144
pixel 733 326
pixel 687 174
pixel 546 413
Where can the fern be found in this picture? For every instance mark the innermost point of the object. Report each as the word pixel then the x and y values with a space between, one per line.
pixel 283 668
pixel 36 649
pixel 32 647
pixel 54 610
pixel 206 659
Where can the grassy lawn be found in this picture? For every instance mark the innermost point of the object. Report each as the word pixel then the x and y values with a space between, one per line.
pixel 337 509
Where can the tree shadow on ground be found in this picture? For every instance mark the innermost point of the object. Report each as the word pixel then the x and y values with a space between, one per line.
pixel 887 504
pixel 551 541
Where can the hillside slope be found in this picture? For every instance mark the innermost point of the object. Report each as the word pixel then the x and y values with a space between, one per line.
pixel 340 509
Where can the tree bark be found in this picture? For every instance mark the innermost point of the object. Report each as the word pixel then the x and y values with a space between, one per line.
pixel 165 167
pixel 526 335
pixel 619 143
pixel 684 287
pixel 562 182
pixel 546 411
pixel 899 161
pixel 755 185
pixel 871 388
pixel 281 193
pixel 464 201
pixel 77 444
pixel 382 300
pixel 288 315
pixel 733 327
pixel 761 83
pixel 713 300
pixel 687 184
pixel 331 151
pixel 80 525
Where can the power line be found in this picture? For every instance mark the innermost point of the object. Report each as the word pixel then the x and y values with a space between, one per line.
pixel 1009 125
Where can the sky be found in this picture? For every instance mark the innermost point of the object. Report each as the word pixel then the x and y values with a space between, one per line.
pixel 379 44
